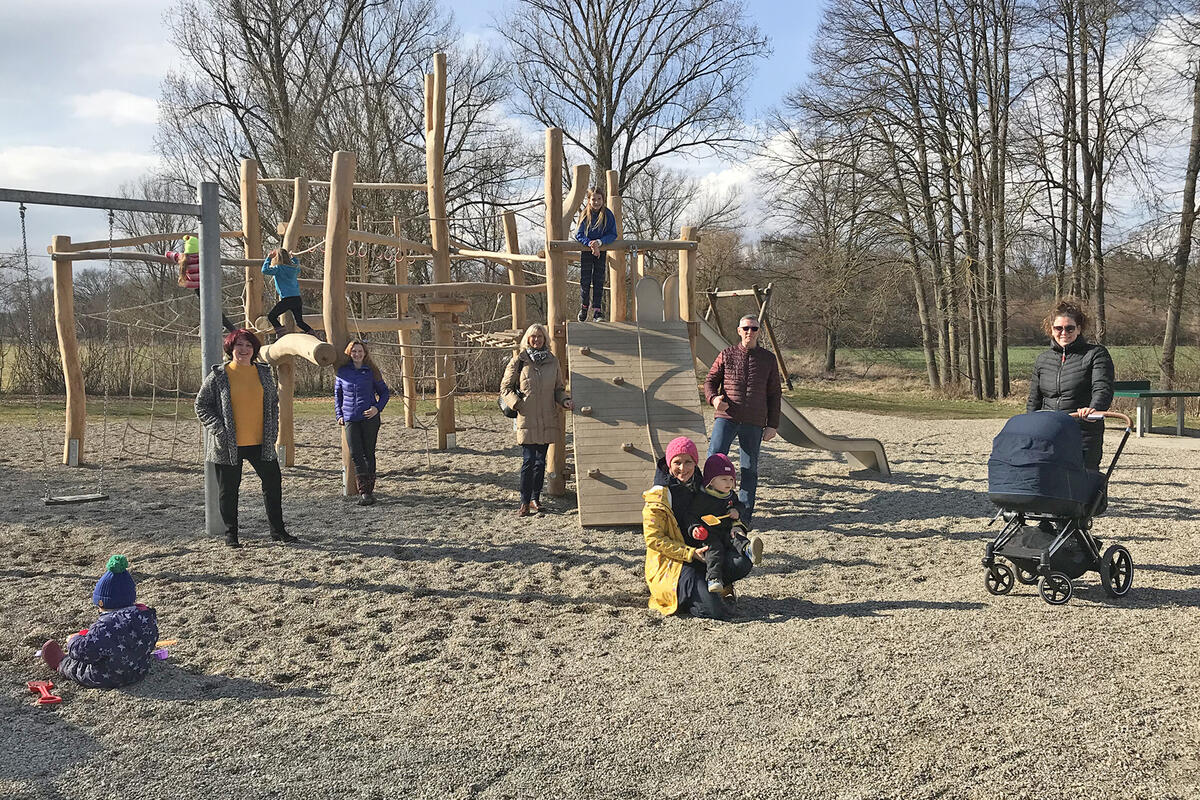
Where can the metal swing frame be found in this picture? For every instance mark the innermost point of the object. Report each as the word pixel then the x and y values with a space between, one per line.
pixel 206 211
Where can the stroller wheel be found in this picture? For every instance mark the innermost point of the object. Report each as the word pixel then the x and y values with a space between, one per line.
pixel 998 579
pixel 1055 588
pixel 1116 571
pixel 1027 576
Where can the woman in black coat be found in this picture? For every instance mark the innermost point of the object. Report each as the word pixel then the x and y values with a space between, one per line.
pixel 1073 376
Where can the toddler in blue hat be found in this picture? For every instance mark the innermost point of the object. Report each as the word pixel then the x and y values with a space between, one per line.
pixel 116 650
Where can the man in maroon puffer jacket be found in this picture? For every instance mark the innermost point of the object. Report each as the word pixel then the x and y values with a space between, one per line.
pixel 743 387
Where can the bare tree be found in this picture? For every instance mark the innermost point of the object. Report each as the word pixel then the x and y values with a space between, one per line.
pixel 632 82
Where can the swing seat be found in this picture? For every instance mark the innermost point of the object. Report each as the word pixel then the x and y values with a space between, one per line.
pixel 73 499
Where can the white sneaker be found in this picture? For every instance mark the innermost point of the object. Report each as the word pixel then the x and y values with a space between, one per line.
pixel 756 548
pixel 716 587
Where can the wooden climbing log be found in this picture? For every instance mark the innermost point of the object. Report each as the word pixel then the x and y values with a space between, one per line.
pixel 556 301
pixel 337 237
pixel 252 242
pixel 300 345
pixel 439 237
pixel 580 175
pixel 407 340
pixel 68 351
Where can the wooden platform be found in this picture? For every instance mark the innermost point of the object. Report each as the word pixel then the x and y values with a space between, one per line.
pixel 631 421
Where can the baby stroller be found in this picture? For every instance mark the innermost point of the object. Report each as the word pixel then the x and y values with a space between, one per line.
pixel 1048 500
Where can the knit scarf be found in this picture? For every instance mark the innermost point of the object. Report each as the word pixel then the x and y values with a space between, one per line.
pixel 537 356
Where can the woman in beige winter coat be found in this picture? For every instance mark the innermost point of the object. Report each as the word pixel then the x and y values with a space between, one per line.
pixel 534 388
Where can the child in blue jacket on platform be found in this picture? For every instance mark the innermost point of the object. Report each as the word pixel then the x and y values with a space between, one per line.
pixel 285 269
pixel 597 227
pixel 117 649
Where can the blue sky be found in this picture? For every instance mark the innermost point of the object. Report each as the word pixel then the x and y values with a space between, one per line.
pixel 79 83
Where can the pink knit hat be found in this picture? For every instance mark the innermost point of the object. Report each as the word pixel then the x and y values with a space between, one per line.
pixel 718 464
pixel 680 445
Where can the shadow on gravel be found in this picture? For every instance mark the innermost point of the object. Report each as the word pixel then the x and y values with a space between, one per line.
pixel 39 744
pixel 173 683
pixel 767 609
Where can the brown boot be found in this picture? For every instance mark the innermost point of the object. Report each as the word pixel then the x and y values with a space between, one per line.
pixel 366 490
pixel 52 654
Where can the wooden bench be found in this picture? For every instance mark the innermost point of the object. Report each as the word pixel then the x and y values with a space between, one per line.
pixel 1145 396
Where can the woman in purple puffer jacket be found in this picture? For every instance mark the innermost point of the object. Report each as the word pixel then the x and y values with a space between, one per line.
pixel 359 397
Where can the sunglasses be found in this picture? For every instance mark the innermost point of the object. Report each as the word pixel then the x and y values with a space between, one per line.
pixel 1064 328
pixel 749 327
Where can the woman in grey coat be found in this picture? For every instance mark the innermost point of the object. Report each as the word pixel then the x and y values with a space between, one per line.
pixel 1074 376
pixel 238 405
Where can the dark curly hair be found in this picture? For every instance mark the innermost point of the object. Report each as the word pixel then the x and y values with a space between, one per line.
pixel 242 334
pixel 1066 307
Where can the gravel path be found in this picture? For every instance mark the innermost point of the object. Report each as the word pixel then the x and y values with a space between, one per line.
pixel 436 646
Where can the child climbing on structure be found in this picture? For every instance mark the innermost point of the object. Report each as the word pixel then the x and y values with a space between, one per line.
pixel 117 649
pixel 285 269
pixel 189 269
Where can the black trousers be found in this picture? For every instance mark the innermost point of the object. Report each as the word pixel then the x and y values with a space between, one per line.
pixel 224 319
pixel 1093 449
pixel 592 271
pixel 229 482
pixel 294 305
pixel 533 471
pixel 694 597
pixel 361 435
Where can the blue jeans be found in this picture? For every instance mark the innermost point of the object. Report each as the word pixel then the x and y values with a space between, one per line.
pixel 749 441
pixel 533 471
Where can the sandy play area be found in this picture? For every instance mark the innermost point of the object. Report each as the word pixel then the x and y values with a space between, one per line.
pixel 436 646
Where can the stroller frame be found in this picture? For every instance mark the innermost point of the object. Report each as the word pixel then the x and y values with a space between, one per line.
pixel 1033 565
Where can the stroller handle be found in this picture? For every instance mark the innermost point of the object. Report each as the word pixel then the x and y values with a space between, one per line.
pixel 1112 415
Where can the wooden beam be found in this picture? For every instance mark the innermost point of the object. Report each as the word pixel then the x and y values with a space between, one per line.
pixel 403 187
pixel 407 339
pixel 366 237
pixel 149 258
pixel 734 293
pixel 151 238
pixel 568 245
pixel 501 257
pixel 368 325
pixel 764 299
pixel 687 284
pixel 68 352
pixel 423 289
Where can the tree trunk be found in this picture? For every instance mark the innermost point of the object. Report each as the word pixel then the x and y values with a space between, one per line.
pixel 1183 252
pixel 830 350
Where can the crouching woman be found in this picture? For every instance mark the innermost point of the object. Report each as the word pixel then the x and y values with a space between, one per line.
pixel 675 569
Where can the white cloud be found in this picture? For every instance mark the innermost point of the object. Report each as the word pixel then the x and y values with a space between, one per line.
pixel 115 107
pixel 71 169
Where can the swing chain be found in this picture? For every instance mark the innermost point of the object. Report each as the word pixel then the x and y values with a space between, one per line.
pixel 37 385
pixel 108 354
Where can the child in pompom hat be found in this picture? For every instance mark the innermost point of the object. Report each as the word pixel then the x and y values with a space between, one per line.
pixel 116 650
pixel 718 499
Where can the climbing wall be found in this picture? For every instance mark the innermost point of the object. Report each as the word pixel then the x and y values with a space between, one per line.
pixel 634 390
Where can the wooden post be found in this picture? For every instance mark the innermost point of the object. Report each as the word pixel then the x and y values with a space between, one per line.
pixel 439 231
pixel 516 275
pixel 764 298
pixel 616 260
pixel 337 238
pixel 68 351
pixel 687 284
pixel 333 292
pixel 556 305
pixel 285 368
pixel 251 240
pixel 408 377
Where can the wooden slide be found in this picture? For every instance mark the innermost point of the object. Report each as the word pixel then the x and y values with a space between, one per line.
pixel 794 427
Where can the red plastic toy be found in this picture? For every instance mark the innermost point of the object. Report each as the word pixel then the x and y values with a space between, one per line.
pixel 45 696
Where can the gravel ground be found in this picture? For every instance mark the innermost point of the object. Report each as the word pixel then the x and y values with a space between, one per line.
pixel 437 646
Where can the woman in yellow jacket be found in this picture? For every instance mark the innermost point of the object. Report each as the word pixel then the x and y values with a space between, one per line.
pixel 675 569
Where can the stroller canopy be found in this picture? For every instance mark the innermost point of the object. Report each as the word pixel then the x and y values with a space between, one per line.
pixel 1037 465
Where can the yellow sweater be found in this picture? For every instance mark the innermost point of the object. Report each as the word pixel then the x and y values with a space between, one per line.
pixel 246 394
